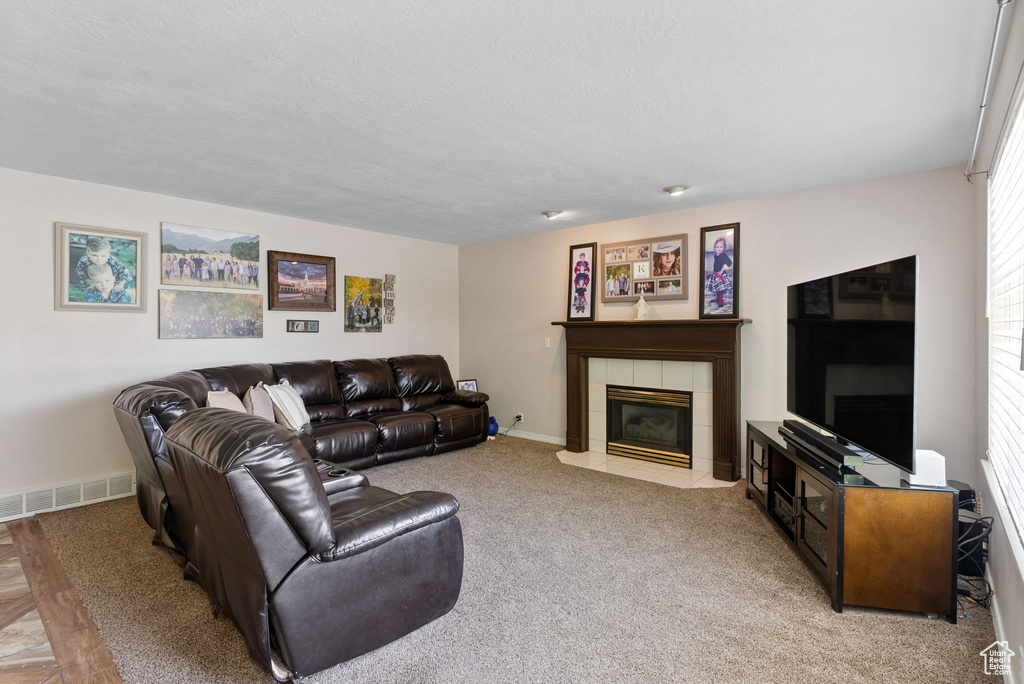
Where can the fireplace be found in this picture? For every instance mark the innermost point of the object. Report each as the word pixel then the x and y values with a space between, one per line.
pixel 650 424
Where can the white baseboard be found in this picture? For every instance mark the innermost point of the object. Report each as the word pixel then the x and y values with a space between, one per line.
pixel 532 435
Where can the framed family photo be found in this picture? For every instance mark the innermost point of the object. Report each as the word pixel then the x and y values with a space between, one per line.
pixel 468 385
pixel 581 282
pixel 207 257
pixel 654 268
pixel 719 271
pixel 300 282
pixel 205 315
pixel 99 269
pixel 364 302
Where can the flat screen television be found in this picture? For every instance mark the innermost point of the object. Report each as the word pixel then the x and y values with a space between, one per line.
pixel 851 367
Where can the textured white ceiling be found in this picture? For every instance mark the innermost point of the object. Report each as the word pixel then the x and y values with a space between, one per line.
pixel 460 120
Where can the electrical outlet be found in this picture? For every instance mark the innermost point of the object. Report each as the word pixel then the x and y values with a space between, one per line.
pixel 519 417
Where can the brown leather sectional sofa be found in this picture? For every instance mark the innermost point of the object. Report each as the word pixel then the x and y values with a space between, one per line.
pixel 265 517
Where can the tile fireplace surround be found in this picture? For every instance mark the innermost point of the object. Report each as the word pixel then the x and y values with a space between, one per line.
pixel 715 342
pixel 691 376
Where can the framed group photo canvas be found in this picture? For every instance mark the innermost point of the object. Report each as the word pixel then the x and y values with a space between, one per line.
pixel 207 257
pixel 300 282
pixel 99 269
pixel 719 274
pixel 581 282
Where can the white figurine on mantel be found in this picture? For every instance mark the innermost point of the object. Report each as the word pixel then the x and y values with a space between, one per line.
pixel 641 309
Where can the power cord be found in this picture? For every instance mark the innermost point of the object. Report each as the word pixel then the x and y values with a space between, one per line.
pixel 517 421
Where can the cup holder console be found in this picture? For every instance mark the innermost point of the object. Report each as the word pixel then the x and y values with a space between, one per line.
pixel 339 472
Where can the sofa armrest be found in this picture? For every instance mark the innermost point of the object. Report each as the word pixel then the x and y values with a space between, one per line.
pixel 465 397
pixel 375 526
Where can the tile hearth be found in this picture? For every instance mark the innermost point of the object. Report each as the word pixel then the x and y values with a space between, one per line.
pixel 641 470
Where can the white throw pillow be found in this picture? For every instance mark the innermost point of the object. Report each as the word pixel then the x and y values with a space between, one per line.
pixel 288 407
pixel 225 399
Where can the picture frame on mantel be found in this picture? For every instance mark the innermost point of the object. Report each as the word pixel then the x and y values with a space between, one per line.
pixel 719 271
pixel 654 268
pixel 581 282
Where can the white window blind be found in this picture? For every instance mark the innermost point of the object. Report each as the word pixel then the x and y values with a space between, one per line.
pixel 1006 318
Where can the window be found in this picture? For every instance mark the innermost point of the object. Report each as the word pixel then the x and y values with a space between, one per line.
pixel 1006 317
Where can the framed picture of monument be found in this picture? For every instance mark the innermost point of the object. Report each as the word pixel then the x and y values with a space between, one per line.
pixel 301 282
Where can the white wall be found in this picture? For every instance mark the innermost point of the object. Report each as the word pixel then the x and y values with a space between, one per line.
pixel 62 369
pixel 513 289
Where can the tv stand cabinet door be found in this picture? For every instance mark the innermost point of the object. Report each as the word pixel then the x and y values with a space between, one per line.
pixel 758 459
pixel 898 549
pixel 815 503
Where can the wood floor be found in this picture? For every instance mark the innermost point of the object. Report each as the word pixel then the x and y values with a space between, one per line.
pixel 46 636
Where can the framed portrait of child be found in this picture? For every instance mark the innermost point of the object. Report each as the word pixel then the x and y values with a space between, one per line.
pixel 99 269
pixel 719 271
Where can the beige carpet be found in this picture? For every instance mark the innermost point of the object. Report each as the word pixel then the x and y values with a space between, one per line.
pixel 571 575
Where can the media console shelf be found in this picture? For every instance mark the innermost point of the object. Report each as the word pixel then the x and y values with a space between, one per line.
pixel 875 546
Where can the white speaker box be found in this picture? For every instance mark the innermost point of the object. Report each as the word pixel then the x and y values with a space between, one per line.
pixel 931 469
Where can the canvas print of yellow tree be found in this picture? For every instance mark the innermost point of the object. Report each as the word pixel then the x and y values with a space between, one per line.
pixel 363 304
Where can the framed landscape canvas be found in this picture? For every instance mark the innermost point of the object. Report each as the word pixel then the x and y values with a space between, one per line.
pixel 363 304
pixel 206 257
pixel 201 315
pixel 99 269
pixel 301 282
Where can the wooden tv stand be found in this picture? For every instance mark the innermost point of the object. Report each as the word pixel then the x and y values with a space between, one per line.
pixel 876 546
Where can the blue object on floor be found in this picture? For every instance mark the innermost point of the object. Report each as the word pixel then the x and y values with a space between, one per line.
pixel 493 428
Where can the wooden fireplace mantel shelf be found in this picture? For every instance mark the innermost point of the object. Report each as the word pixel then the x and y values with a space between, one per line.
pixel 712 340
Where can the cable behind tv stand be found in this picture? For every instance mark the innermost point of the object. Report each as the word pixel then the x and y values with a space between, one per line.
pixel 876 546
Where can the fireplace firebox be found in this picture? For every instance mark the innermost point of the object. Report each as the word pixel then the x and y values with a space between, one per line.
pixel 650 424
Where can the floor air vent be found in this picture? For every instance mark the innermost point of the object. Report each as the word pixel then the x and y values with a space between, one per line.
pixel 12 506
pixel 66 495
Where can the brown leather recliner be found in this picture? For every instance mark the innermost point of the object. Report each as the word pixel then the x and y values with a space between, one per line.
pixel 312 576
pixel 363 413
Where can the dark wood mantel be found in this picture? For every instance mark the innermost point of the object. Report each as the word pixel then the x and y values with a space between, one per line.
pixel 715 341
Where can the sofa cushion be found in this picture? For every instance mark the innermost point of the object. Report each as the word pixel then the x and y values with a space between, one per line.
pixel 363 379
pixel 421 374
pixel 322 412
pixel 344 441
pixel 367 387
pixel 313 380
pixel 238 378
pixel 224 399
pixel 402 432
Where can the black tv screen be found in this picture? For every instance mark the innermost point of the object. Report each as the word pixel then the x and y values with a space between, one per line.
pixel 851 357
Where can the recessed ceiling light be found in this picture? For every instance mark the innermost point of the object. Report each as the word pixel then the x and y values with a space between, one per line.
pixel 551 214
pixel 675 190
